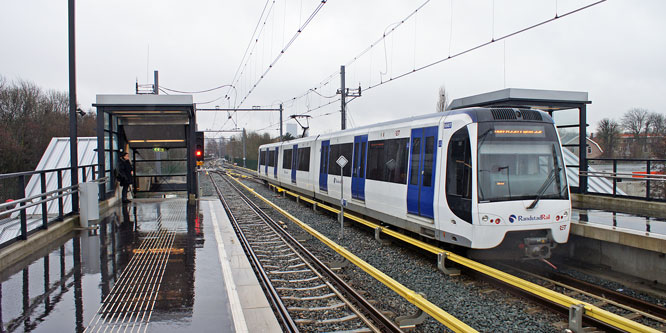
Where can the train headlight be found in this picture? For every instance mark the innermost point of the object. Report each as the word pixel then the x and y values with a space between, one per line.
pixel 566 213
pixel 484 218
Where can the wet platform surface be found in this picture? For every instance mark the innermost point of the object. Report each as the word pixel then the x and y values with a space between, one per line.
pixel 153 265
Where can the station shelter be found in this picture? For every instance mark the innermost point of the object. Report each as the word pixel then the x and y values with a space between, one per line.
pixel 158 131
pixel 568 110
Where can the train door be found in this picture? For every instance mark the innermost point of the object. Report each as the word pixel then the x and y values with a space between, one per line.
pixel 358 170
pixel 294 163
pixel 323 165
pixel 421 182
pixel 275 163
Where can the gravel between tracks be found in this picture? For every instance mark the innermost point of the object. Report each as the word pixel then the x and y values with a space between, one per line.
pixel 461 296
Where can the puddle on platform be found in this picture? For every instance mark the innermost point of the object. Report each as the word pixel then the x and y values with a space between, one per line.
pixel 61 288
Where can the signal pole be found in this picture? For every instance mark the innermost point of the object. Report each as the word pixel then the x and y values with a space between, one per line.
pixel 244 147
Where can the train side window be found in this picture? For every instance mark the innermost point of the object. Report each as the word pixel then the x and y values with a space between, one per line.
pixel 427 160
pixel 387 160
pixel 361 171
pixel 271 158
pixel 459 175
pixel 304 159
pixel 346 151
pixel 416 151
pixel 334 154
pixel 322 159
pixel 376 160
pixel 286 159
pixel 262 158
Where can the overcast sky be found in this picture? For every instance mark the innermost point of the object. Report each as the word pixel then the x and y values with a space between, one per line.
pixel 615 51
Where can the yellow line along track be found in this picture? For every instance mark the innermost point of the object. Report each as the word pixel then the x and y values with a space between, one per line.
pixel 532 288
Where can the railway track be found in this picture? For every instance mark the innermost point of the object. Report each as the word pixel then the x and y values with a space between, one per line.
pixel 304 292
pixel 593 312
pixel 632 308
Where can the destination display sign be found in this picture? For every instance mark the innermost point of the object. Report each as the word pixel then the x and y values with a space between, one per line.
pixel 520 131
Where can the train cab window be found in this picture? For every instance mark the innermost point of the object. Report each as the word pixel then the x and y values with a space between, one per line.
pixel 304 159
pixel 459 175
pixel 286 159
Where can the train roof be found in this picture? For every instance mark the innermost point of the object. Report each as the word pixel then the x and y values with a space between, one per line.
pixel 476 114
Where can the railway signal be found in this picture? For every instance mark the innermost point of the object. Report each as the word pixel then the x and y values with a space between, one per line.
pixel 199 148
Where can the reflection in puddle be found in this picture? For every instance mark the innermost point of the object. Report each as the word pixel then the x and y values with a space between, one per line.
pixel 61 288
pixel 620 220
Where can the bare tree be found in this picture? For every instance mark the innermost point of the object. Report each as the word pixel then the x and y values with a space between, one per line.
pixel 635 122
pixel 608 135
pixel 657 134
pixel 442 99
pixel 29 118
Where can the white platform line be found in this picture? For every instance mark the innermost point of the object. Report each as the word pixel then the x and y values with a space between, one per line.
pixel 234 300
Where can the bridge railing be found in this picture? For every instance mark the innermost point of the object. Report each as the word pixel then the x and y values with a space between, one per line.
pixel 51 191
pixel 643 179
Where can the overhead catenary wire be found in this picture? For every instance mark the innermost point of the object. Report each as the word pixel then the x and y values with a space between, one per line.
pixel 493 40
pixel 284 49
pixel 195 92
pixel 450 56
pixel 385 34
pixel 252 38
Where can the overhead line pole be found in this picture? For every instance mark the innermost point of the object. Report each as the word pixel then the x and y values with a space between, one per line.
pixel 343 98
pixel 344 93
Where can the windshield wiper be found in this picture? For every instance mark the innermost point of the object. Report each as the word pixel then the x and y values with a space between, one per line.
pixel 544 186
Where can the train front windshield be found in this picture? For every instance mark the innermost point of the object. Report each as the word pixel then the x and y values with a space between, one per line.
pixel 519 161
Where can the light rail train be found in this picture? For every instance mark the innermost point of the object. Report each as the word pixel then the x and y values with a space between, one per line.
pixel 479 178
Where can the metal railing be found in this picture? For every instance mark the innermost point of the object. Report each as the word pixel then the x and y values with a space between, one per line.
pixel 645 178
pixel 22 203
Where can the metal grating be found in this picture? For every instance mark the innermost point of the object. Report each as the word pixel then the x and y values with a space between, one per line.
pixel 503 114
pixel 129 305
pixel 531 115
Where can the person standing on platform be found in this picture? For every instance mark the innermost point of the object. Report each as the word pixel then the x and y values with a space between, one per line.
pixel 125 174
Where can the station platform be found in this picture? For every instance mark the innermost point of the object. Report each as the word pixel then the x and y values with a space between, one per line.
pixel 157 265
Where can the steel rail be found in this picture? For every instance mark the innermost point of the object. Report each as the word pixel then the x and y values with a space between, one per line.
pixel 413 297
pixel 659 312
pixel 591 312
pixel 607 296
pixel 377 316
pixel 285 319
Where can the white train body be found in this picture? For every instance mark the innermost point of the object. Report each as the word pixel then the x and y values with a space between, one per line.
pixel 478 178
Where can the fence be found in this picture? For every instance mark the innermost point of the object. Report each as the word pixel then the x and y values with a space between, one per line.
pixel 50 191
pixel 643 179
